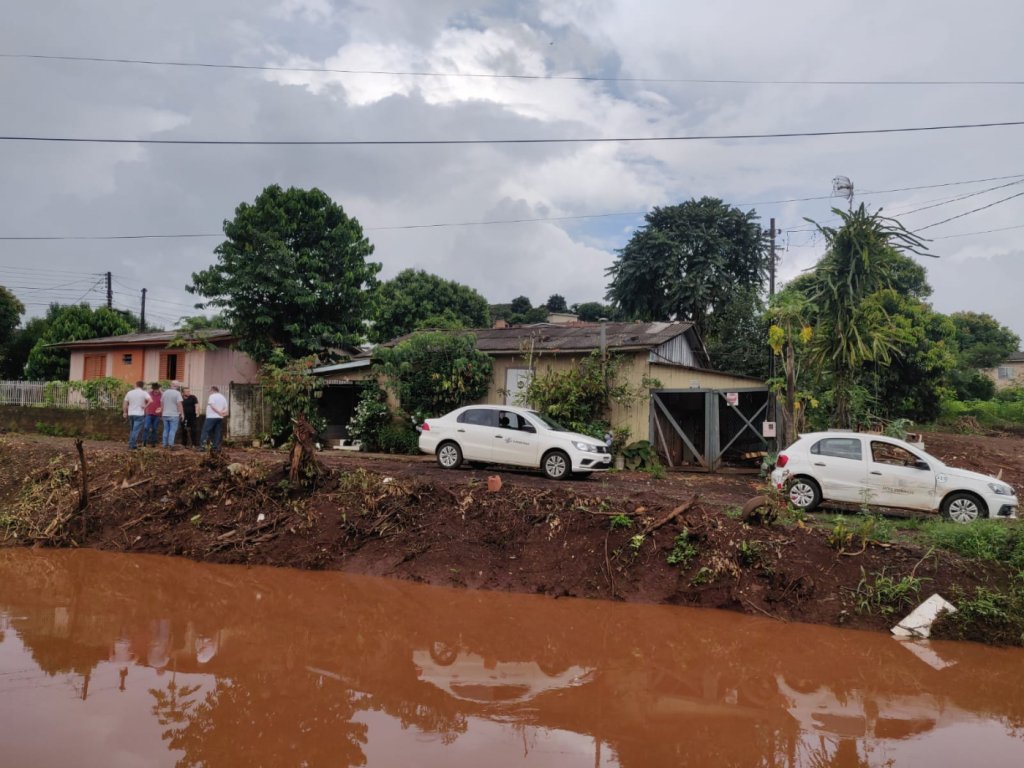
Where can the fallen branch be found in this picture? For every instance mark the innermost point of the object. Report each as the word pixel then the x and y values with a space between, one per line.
pixel 670 516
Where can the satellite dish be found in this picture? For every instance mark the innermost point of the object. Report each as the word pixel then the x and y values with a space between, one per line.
pixel 843 187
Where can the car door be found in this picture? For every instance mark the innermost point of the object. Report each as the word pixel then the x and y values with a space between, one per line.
pixel 897 477
pixel 475 432
pixel 516 441
pixel 839 466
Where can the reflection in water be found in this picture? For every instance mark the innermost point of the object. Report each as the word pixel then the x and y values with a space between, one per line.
pixel 166 662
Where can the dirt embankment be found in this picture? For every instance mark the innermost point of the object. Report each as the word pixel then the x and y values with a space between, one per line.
pixel 622 536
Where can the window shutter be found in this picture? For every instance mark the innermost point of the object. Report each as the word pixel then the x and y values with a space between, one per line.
pixel 95 367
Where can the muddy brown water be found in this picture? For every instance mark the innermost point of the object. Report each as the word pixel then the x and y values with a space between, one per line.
pixel 117 660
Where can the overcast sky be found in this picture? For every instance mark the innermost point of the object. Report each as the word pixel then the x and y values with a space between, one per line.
pixel 642 49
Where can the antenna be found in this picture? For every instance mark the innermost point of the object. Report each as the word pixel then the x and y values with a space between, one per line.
pixel 843 187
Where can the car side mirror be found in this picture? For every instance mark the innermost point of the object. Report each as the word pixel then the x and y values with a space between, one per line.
pixel 528 428
pixel 921 464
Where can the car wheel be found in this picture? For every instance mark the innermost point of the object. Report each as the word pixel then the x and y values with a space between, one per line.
pixel 556 465
pixel 804 494
pixel 449 455
pixel 962 507
pixel 443 654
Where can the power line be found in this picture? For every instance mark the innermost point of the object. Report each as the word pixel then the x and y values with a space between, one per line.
pixel 979 232
pixel 501 76
pixel 516 221
pixel 968 213
pixel 458 142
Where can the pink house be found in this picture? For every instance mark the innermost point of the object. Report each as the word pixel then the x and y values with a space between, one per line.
pixel 147 357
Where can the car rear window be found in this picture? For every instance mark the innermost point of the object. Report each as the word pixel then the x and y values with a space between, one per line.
pixel 483 417
pixel 840 447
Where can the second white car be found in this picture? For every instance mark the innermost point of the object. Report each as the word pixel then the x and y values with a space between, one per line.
pixel 871 469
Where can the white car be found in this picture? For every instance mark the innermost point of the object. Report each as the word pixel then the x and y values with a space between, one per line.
pixel 471 677
pixel 499 434
pixel 882 471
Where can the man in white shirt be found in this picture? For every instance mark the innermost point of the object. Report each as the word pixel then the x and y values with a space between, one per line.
pixel 172 413
pixel 134 410
pixel 213 425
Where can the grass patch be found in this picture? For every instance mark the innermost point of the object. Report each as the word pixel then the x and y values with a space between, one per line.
pixel 999 541
pixel 986 616
pixel 885 594
pixel 683 550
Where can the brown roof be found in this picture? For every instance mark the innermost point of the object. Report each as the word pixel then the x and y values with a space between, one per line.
pixel 580 337
pixel 148 339
pixel 573 337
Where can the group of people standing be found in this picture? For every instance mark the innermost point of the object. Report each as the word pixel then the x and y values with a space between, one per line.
pixel 173 407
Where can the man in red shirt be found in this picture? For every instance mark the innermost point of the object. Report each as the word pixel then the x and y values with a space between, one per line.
pixel 153 412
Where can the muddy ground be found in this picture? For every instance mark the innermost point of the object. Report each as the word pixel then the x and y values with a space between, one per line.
pixel 621 536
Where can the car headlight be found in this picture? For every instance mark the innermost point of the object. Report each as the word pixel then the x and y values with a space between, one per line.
pixel 1002 490
pixel 585 447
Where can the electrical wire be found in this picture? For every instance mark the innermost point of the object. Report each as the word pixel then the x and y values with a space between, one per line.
pixel 500 76
pixel 456 142
pixel 968 213
pixel 522 220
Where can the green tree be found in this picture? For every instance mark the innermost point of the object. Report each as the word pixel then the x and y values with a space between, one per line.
pixel 432 373
pixel 688 262
pixel 863 257
pixel 292 274
pixel 788 336
pixel 593 311
pixel 14 355
pixel 521 305
pixel 917 378
pixel 556 303
pixel 983 341
pixel 11 311
pixel 519 312
pixel 416 299
pixel 72 322
pixel 738 345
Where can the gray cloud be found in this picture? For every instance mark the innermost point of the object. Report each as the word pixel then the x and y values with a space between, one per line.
pixel 73 189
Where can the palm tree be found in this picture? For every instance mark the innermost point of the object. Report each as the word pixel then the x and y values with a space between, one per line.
pixel 852 330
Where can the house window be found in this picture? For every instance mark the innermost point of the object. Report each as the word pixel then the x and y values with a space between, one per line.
pixel 1005 373
pixel 95 367
pixel 126 359
pixel 169 365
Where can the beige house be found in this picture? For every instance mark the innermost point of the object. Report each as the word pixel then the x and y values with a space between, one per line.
pixel 1008 374
pixel 148 357
pixel 694 415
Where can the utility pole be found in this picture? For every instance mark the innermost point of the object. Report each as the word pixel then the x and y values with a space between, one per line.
pixel 110 291
pixel 142 315
pixel 771 290
pixel 773 407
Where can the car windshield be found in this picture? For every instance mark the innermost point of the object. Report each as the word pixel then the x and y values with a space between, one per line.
pixel 548 422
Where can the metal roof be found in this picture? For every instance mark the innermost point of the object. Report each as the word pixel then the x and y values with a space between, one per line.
pixel 361 362
pixel 573 337
pixel 150 338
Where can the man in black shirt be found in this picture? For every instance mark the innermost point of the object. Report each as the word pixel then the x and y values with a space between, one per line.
pixel 190 427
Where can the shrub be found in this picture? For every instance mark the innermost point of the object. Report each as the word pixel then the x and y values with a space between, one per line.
pixel 371 417
pixel 433 373
pixel 398 437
